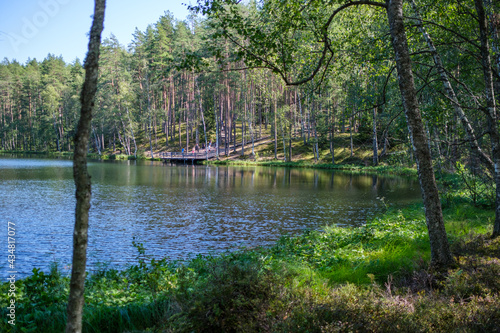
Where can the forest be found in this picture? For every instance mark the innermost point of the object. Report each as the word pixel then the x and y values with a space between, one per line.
pixel 417 83
pixel 192 75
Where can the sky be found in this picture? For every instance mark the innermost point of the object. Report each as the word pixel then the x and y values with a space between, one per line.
pixel 31 29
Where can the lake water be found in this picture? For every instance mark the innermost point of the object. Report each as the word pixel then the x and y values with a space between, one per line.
pixel 177 211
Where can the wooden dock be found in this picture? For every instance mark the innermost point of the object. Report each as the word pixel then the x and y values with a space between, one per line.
pixel 188 157
pixel 179 157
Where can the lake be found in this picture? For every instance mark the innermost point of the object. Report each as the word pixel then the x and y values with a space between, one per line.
pixel 177 211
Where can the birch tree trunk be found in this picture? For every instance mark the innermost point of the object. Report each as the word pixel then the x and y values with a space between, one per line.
pixel 81 175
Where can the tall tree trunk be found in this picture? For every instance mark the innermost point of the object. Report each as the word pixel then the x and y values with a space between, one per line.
pixel 490 112
pixel 180 118
pixel 172 109
pixel 96 141
pixel 350 135
pixel 440 251
pixel 375 142
pixel 203 120
pixel 166 110
pixel 57 134
pixel 233 122
pixel 81 175
pixel 332 136
pixel 149 124
pixel 284 141
pixel 315 142
pixel 495 42
pixel 252 134
pixel 302 120
pixel 244 117
pixel 188 126
pixel 132 132
pixel 216 131
pixel 124 140
pixel 275 129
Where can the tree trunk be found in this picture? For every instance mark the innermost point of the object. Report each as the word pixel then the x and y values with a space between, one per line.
pixel 166 110
pixel 172 111
pixel 440 252
pixel 302 121
pixel 375 142
pixel 216 132
pixel 124 140
pixel 493 24
pixel 332 136
pixel 275 130
pixel 284 142
pixel 57 134
pixel 350 135
pixel 491 113
pixel 132 132
pixel 243 122
pixel 97 143
pixel 203 120
pixel 149 125
pixel 81 175
pixel 315 143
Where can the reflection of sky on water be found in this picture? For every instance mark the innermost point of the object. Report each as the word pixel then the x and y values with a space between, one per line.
pixel 178 211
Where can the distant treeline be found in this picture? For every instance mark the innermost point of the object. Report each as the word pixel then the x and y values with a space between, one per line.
pixel 185 77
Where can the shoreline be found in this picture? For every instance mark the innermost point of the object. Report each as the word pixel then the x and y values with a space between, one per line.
pixel 383 169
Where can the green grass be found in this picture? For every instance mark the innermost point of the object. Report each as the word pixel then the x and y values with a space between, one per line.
pixel 385 246
pixel 382 169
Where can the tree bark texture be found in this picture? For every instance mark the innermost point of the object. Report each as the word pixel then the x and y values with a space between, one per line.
pixel 490 111
pixel 375 143
pixel 440 252
pixel 81 175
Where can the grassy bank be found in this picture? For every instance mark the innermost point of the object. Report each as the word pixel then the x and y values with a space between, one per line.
pixel 354 168
pixel 372 278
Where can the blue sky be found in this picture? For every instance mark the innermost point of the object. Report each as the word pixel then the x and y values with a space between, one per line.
pixel 35 28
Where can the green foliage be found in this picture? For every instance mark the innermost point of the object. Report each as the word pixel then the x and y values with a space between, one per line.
pixel 380 248
pixel 223 294
pixel 479 188
pixel 43 290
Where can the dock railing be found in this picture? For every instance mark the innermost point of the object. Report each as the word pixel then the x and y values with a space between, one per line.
pixel 188 156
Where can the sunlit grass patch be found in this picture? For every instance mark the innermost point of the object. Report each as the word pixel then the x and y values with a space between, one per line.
pixel 388 246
